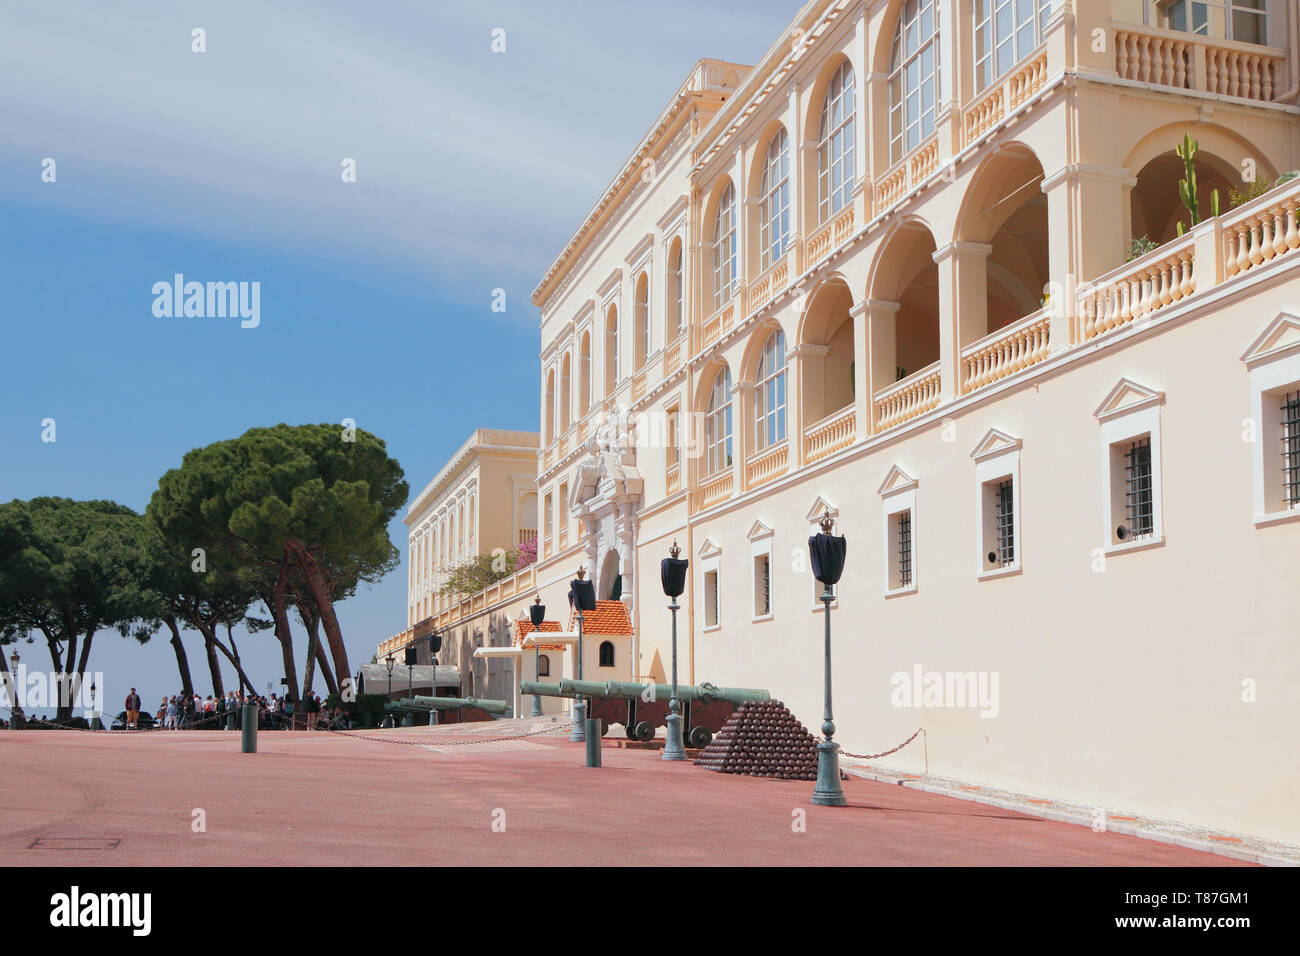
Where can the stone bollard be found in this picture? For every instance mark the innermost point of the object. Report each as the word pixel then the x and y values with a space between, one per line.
pixel 592 730
pixel 248 728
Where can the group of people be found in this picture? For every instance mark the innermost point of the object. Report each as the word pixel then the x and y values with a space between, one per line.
pixel 215 712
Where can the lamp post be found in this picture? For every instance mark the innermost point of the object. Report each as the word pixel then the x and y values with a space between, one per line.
pixel 16 716
pixel 672 573
pixel 827 553
pixel 537 614
pixel 389 661
pixel 582 594
pixel 94 710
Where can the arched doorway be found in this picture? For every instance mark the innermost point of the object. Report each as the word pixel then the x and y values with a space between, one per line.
pixel 609 586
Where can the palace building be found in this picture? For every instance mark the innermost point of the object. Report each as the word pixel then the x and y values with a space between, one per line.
pixel 928 267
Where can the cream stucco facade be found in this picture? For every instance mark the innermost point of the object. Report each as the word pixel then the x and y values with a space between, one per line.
pixel 889 273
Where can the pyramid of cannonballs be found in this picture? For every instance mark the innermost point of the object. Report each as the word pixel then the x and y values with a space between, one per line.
pixel 763 739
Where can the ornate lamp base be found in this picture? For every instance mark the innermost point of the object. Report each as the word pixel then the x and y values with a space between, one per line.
pixel 674 748
pixel 828 792
pixel 579 733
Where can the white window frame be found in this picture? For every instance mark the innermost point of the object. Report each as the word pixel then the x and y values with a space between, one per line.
pixel 774 219
pixel 1040 12
pixel 771 380
pixel 837 144
pixel 1118 431
pixel 897 502
pixel 719 434
pixel 724 247
pixel 710 565
pixel 760 539
pixel 903 83
pixel 1271 374
pixel 991 468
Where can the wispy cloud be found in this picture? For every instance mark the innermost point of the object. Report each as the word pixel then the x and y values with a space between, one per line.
pixel 472 166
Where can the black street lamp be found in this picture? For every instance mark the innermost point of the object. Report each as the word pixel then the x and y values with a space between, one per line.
pixel 435 645
pixel 827 553
pixel 389 661
pixel 672 573
pixel 582 595
pixel 537 614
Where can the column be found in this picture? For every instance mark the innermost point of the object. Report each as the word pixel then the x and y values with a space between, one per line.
pixel 963 307
pixel 880 321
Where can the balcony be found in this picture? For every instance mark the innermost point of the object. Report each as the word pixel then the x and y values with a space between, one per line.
pixel 1006 351
pixel 717 489
pixel 908 399
pixel 767 465
pixel 908 173
pixel 718 324
pixel 1138 288
pixel 763 289
pixel 673 479
pixel 831 434
pixel 1186 61
pixel 829 236
pixel 673 356
pixel 1004 97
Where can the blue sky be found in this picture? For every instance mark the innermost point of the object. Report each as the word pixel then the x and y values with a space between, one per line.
pixel 473 168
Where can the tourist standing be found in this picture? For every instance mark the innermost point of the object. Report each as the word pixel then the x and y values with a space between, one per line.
pixel 132 709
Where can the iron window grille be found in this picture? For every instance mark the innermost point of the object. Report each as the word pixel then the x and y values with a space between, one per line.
pixel 765 585
pixel 1290 430
pixel 1138 498
pixel 1005 525
pixel 905 549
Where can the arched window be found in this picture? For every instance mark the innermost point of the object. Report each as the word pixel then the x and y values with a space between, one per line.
pixel 641 315
pixel 836 170
pixel 606 653
pixel 913 77
pixel 543 666
pixel 566 405
pixel 676 292
pixel 724 247
pixel 717 425
pixel 548 413
pixel 611 350
pixel 775 218
pixel 584 374
pixel 769 396
pixel 1006 31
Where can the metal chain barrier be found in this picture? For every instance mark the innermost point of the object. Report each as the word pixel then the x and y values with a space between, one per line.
pixel 919 731
pixel 451 743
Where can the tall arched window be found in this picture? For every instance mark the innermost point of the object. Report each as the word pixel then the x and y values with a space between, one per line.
pixel 1006 31
pixel 584 374
pixel 641 316
pixel 724 247
pixel 769 395
pixel 611 350
pixel 836 170
pixel 548 413
pixel 566 393
pixel 676 292
pixel 606 653
pixel 775 218
pixel 717 425
pixel 913 77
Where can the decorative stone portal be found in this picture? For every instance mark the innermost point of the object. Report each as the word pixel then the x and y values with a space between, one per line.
pixel 606 497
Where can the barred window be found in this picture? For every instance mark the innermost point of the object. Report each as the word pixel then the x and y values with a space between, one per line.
pixel 762 585
pixel 1005 525
pixel 1289 422
pixel 836 170
pixel 1138 501
pixel 905 549
pixel 710 598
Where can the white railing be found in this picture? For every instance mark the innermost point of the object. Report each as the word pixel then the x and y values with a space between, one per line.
pixel 1145 285
pixel 1185 61
pixel 717 489
pixel 833 433
pixel 905 400
pixel 1005 96
pixel 767 465
pixel 1006 351
pixel 1260 231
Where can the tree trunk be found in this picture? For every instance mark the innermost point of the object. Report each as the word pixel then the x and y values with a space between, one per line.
pixel 234 660
pixel 214 663
pixel 182 661
pixel 323 663
pixel 16 716
pixel 234 657
pixel 80 674
pixel 325 607
pixel 312 623
pixel 282 632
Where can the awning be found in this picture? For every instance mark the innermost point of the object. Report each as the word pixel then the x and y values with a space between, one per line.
pixel 374 677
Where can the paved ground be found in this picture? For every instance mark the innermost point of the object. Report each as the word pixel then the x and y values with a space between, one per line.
pixel 78 799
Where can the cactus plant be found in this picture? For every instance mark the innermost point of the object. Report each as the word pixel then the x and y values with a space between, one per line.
pixel 1187 186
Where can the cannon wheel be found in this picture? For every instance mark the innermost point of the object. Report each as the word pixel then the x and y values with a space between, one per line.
pixel 699 737
pixel 644 731
pixel 629 731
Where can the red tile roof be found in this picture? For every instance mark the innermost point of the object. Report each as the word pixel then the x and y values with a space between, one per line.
pixel 610 617
pixel 524 628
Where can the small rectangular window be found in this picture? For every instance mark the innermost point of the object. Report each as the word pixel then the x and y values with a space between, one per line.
pixel 1000 525
pixel 1289 432
pixel 1138 502
pixel 710 598
pixel 904 535
pixel 762 585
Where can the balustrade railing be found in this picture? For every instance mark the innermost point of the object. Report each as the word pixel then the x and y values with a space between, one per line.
pixel 767 465
pixel 1006 351
pixel 1138 288
pixel 1186 61
pixel 833 433
pixel 905 400
pixel 717 489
